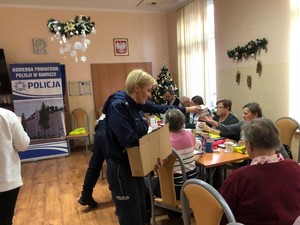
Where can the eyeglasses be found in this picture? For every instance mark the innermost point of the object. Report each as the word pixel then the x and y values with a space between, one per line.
pixel 219 107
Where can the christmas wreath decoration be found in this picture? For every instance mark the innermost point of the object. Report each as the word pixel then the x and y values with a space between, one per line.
pixel 81 25
pixel 250 49
pixel 63 31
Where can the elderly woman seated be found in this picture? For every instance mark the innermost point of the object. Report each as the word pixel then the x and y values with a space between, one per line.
pixel 267 191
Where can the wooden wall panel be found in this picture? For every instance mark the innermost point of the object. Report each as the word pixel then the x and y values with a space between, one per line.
pixel 110 77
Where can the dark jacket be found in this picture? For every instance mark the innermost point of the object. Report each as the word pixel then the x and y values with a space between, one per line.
pixel 176 102
pixel 125 124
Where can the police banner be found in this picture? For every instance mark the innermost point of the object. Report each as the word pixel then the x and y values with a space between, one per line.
pixel 38 100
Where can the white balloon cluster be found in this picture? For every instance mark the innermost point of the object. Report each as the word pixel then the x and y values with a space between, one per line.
pixel 75 48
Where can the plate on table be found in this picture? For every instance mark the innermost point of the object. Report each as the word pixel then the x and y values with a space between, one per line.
pixel 221 145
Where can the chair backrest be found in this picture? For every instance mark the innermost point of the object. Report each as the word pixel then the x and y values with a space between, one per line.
pixel 287 127
pixel 166 180
pixel 79 118
pixel 206 203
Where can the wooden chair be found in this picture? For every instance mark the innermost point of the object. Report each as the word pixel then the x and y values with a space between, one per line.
pixel 167 189
pixel 206 203
pixel 79 119
pixel 287 127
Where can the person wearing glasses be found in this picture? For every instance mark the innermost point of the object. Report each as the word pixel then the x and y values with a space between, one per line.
pixel 266 192
pixel 251 111
pixel 225 116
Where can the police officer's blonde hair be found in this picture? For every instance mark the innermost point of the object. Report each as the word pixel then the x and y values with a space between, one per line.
pixel 138 77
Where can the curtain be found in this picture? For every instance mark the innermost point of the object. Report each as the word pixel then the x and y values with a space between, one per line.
pixel 191 32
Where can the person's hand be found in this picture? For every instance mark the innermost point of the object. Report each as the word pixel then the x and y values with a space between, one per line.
pixel 160 163
pixel 193 109
pixel 204 127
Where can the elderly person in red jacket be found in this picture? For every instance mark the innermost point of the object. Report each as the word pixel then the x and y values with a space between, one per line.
pixel 267 192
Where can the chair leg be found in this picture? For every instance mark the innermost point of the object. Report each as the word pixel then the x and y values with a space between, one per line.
pixel 87 144
pixel 152 220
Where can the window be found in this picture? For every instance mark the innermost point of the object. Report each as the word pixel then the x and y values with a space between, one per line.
pixel 196 50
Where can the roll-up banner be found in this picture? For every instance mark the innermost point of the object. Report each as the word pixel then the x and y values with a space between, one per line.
pixel 38 100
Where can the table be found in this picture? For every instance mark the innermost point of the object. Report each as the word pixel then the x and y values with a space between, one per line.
pixel 212 160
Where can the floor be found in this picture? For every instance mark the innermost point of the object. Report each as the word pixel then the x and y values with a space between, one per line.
pixel 51 190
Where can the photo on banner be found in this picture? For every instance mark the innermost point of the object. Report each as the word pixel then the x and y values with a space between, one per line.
pixel 38 99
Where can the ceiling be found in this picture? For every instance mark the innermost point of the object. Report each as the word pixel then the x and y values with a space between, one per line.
pixel 103 5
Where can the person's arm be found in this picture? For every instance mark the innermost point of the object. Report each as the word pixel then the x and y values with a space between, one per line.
pixel 151 107
pixel 121 124
pixel 20 137
pixel 224 130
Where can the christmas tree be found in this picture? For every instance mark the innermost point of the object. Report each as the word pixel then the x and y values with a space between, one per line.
pixel 164 82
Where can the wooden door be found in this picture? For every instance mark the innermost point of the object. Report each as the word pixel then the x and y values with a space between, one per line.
pixel 110 77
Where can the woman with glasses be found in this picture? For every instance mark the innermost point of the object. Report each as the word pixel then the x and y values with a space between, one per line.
pixel 250 111
pixel 225 116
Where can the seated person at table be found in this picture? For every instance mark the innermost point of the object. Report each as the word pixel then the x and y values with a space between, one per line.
pixel 171 98
pixel 194 117
pixel 250 111
pixel 266 192
pixel 184 142
pixel 224 116
pixel 186 102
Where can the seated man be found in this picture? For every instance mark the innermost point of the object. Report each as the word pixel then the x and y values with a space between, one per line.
pixel 171 98
pixel 267 191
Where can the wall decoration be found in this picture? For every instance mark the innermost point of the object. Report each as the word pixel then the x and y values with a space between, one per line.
pixel 259 67
pixel 40 46
pixel 238 77
pixel 77 88
pixel 249 81
pixel 81 26
pixel 250 49
pixel 121 46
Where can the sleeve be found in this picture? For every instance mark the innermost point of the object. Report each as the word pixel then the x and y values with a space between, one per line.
pixel 20 138
pixel 232 119
pixel 151 107
pixel 120 123
pixel 233 129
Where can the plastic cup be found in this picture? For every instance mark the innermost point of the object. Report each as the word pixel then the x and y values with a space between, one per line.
pixel 228 146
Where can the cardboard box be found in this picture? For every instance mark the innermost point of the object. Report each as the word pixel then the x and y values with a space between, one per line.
pixel 154 145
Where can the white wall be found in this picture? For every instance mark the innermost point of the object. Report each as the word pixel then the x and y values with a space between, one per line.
pixel 236 23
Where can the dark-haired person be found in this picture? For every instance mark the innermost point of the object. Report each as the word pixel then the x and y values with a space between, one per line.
pixel 194 117
pixel 225 116
pixel 184 142
pixel 266 192
pixel 13 138
pixel 171 98
pixel 250 111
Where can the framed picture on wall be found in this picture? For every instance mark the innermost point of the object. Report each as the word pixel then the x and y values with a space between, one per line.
pixel 121 46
